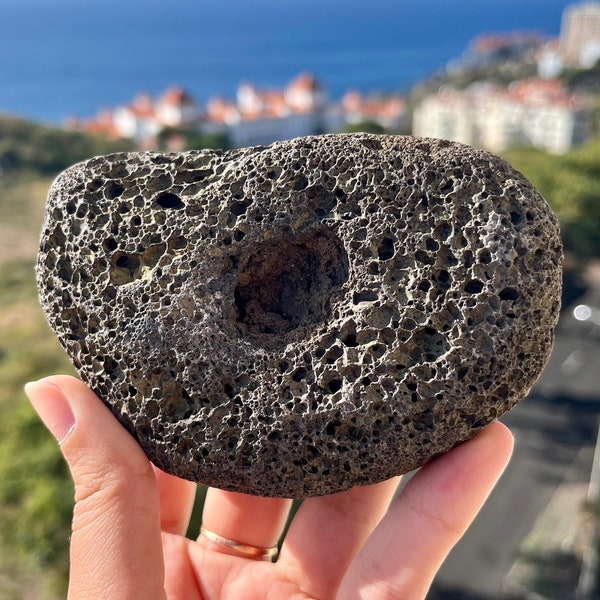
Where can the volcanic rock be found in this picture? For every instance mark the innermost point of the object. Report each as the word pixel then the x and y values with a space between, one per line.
pixel 297 319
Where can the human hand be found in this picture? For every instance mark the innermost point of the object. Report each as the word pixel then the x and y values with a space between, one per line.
pixel 130 519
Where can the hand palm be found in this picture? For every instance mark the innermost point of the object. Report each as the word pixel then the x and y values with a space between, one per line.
pixel 196 573
pixel 348 545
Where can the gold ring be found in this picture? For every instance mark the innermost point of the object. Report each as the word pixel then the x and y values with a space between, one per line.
pixel 246 550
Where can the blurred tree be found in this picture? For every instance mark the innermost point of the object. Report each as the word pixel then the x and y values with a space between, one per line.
pixel 171 138
pixel 363 127
pixel 583 80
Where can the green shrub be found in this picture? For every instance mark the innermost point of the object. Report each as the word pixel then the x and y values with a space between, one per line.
pixel 47 150
pixel 571 185
pixel 36 495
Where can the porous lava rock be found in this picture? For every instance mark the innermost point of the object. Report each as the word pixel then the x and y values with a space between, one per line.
pixel 297 319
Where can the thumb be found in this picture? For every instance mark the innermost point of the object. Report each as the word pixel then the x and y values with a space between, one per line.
pixel 116 549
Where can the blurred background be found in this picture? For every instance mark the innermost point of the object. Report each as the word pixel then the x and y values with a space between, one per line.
pixel 520 78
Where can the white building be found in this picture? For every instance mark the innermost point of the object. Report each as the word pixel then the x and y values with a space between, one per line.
pixel 265 130
pixel 580 34
pixel 577 46
pixel 387 111
pixel 177 108
pixel 539 113
pixel 264 116
pixel 305 94
pixel 136 120
pixel 550 63
pixel 144 117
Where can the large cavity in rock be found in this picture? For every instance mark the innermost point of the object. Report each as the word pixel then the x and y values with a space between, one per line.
pixel 298 319
pixel 285 283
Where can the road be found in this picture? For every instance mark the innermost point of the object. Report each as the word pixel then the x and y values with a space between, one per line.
pixel 555 430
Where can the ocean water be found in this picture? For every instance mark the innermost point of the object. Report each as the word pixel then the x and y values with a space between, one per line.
pixel 69 57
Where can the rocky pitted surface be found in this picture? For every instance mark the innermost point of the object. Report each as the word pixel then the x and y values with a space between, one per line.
pixel 297 319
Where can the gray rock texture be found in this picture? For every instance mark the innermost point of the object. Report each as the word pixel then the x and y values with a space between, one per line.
pixel 297 319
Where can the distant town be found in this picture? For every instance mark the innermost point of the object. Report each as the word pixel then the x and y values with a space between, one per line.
pixel 538 109
pixel 256 116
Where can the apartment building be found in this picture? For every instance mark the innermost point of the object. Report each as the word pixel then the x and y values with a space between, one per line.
pixel 533 112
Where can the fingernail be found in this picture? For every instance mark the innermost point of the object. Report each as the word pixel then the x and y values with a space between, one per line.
pixel 52 407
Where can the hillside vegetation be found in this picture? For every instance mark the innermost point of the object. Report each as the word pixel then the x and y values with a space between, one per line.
pixel 36 491
pixel 46 150
pixel 571 184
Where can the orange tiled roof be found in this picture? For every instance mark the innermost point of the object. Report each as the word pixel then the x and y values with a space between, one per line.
pixel 142 106
pixel 103 124
pixel 177 96
pixel 543 91
pixel 390 107
pixel 305 82
pixel 220 110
